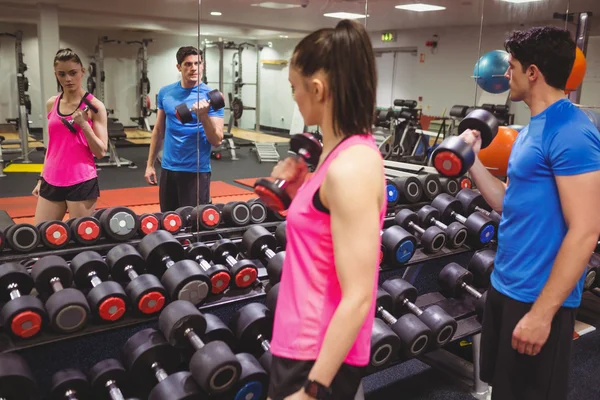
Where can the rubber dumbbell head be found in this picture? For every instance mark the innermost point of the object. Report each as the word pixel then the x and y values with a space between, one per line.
pixel 455 280
pixel 16 379
pixel 171 222
pixel 22 238
pixel 254 380
pixel 219 275
pixel 258 211
pixel 399 245
pixel 144 290
pixel 213 365
pixel 148 224
pixel 54 234
pixel 186 215
pixel 185 115
pixel 433 238
pixel 481 266
pixel 273 193
pixel 431 185
pixel 384 344
pixel 217 330
pixel 236 213
pixel 119 223
pixel 392 193
pixel 258 242
pixel 205 217
pixel 410 189
pixel 85 230
pixel 281 234
pixel 70 383
pixel 244 272
pixel 67 309
pixel 449 185
pixel 22 315
pixel 456 233
pixel 251 325
pixel 109 378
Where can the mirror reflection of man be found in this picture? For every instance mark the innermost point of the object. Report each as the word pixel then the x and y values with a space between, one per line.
pixel 186 169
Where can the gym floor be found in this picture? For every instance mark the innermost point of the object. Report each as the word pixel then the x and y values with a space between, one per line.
pixel 413 379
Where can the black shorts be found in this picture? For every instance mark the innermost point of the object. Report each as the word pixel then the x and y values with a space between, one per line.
pixel 517 376
pixel 289 376
pixel 180 189
pixel 88 190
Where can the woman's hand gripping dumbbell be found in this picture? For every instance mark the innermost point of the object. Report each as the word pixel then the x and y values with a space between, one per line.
pixel 80 116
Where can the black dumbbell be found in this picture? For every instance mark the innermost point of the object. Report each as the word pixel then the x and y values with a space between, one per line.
pixel 107 299
pixel 306 148
pixel 213 365
pixel 453 157
pixel 202 217
pixel 456 233
pixel 404 296
pixel 431 185
pixel 385 344
pixel 480 228
pixel 21 315
pixel 281 234
pixel 449 185
pixel 482 266
pixel 183 279
pixel 474 202
pixel 410 189
pixel 109 379
pixel 185 115
pixel 236 213
pixel 2 240
pixel 258 211
pixel 465 182
pixel 70 122
pixel 454 280
pixel 251 325
pixel 397 246
pixel 413 333
pixel 244 272
pixel 254 380
pixel 54 234
pixel 119 223
pixel 433 238
pixel 144 290
pixel 69 384
pixel 148 223
pixel 150 359
pixel 67 309
pixel 16 379
pixel 22 238
pixel 258 242
pixel 219 274
pixel 85 230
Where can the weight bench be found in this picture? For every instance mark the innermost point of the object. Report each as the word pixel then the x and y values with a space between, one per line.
pixel 115 132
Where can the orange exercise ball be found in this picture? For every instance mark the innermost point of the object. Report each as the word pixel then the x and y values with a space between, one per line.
pixel 495 156
pixel 577 73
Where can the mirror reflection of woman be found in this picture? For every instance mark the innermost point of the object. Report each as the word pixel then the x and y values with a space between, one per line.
pixel 69 180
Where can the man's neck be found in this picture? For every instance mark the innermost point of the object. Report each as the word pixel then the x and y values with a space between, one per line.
pixel 541 100
pixel 189 84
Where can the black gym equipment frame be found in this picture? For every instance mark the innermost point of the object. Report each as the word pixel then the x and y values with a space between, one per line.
pixel 143 86
pixel 22 121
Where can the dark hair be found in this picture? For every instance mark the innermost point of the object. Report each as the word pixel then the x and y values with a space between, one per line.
pixel 550 49
pixel 185 51
pixel 67 55
pixel 346 55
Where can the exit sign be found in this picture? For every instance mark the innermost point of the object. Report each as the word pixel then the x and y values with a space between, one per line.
pixel 388 37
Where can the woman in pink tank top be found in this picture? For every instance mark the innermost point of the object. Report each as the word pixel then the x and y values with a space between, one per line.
pixel 325 307
pixel 77 132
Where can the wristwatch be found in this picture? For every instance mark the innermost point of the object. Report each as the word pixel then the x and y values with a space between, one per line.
pixel 316 390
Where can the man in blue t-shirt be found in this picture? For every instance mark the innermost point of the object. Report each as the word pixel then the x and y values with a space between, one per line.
pixel 186 154
pixel 549 228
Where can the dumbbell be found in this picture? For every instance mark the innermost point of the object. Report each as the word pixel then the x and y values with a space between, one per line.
pixel 183 279
pixel 482 266
pixel 474 202
pixel 244 272
pixel 449 185
pixel 397 246
pixel 85 230
pixel 281 234
pixel 453 157
pixel 70 122
pixel 410 189
pixel 219 274
pixel 22 315
pixel 413 333
pixel 16 379
pixel 385 344
pixel 202 217
pixel 150 359
pixel 254 380
pixel 258 242
pixel 144 290
pixel 404 296
pixel 22 238
pixel 170 221
pixel 465 182
pixel 148 223
pixel 258 211
pixel 213 365
pixel 236 213
pixel 454 280
pixel 67 309
pixel 54 234
pixel 306 148
pixel 69 384
pixel 251 325
pixel 479 227
pixel 456 233
pixel 119 223
pixel 185 115
pixel 108 379
pixel 2 240
pixel 433 238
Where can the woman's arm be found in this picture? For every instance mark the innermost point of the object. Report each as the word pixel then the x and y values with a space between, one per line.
pixel 353 192
pixel 97 138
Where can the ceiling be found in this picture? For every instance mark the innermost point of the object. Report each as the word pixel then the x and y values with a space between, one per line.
pixel 240 19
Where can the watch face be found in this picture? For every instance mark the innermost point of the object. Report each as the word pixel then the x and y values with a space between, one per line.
pixel 312 389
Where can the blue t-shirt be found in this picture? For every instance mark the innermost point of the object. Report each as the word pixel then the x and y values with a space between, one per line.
pixel 559 141
pixel 181 147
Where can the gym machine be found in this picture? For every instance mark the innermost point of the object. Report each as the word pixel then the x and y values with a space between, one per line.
pixel 116 130
pixel 22 121
pixel 143 86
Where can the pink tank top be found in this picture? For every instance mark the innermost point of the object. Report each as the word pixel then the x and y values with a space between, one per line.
pixel 69 160
pixel 309 290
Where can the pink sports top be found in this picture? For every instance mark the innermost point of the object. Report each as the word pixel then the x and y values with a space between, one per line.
pixel 309 290
pixel 69 160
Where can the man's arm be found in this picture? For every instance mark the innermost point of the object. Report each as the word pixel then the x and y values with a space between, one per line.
pixel 213 129
pixel 492 189
pixel 158 135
